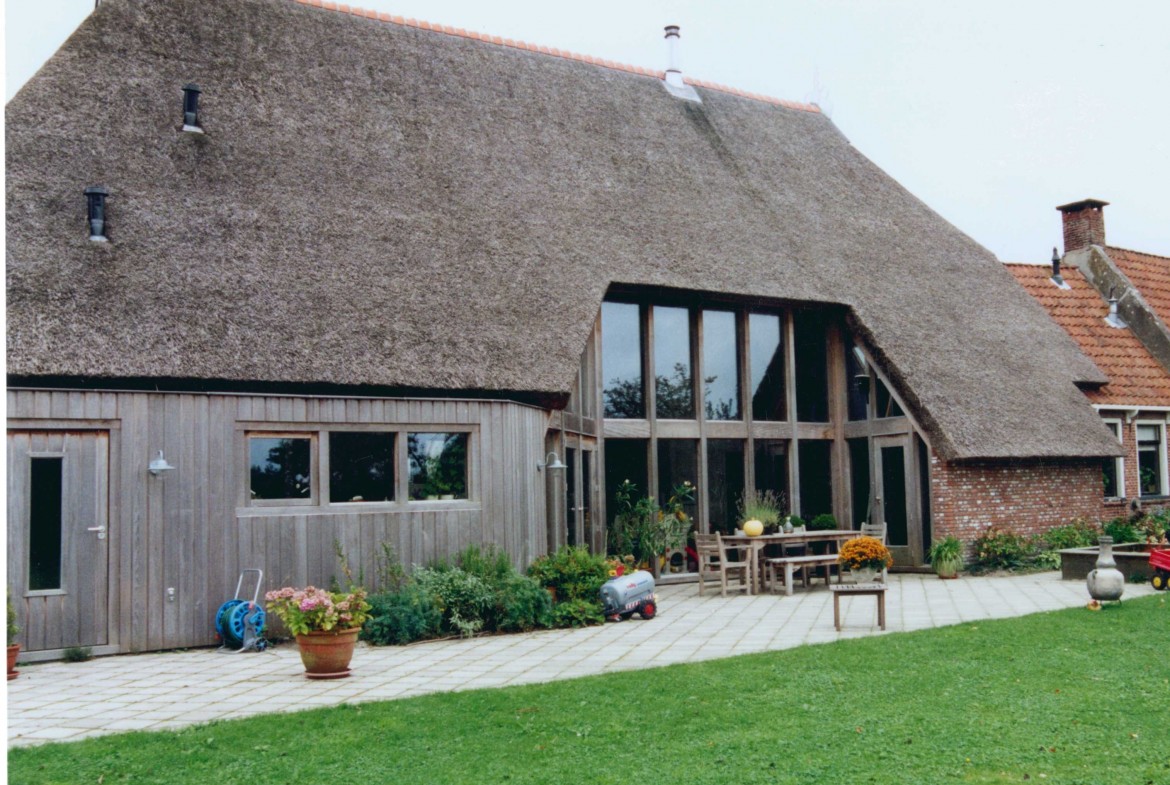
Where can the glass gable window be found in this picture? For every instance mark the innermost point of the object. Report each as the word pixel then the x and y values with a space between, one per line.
pixel 721 366
pixel 816 472
pixel 678 463
pixel 725 482
pixel 361 466
pixel 280 467
pixel 625 460
pixel 772 468
pixel 621 361
pixel 767 366
pixel 1151 459
pixel 438 465
pixel 812 367
pixel 674 386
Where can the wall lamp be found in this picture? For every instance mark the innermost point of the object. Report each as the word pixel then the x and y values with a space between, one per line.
pixel 159 465
pixel 553 465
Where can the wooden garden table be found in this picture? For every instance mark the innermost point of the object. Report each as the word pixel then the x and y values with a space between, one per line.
pixel 756 545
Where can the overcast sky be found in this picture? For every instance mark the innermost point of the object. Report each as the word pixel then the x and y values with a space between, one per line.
pixel 992 113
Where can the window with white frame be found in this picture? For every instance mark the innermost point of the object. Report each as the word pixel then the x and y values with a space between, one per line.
pixel 1113 469
pixel 1151 444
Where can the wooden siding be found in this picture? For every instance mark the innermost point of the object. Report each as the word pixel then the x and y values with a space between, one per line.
pixel 190 529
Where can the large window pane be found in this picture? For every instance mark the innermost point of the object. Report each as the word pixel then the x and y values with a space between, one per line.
pixel 674 387
pixel 812 367
pixel 44 536
pixel 1151 448
pixel 621 360
pixel 720 366
pixel 767 366
pixel 857 383
pixel 859 481
pixel 280 467
pixel 625 459
pixel 1112 468
pixel 894 495
pixel 816 481
pixel 678 463
pixel 361 466
pixel 438 465
pixel 772 469
pixel 886 405
pixel 725 482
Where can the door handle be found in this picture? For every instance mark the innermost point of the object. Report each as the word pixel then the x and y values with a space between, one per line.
pixel 101 530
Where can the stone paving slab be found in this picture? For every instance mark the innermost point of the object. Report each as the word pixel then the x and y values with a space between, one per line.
pixel 68 701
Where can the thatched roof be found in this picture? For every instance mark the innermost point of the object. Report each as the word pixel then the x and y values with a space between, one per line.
pixel 381 205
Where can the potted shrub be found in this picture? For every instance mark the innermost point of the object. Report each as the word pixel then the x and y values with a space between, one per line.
pixel 865 557
pixel 946 556
pixel 13 646
pixel 763 507
pixel 326 625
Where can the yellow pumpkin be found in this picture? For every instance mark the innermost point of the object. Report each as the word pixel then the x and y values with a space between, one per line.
pixel 753 528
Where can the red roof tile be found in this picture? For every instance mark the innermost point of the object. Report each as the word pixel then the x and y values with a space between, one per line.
pixel 1135 377
pixel 633 69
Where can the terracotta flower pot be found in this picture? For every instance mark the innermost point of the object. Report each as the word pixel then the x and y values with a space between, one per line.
pixel 13 651
pixel 326 655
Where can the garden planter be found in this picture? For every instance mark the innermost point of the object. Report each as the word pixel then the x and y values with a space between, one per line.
pixel 947 570
pixel 863 575
pixel 326 655
pixel 13 651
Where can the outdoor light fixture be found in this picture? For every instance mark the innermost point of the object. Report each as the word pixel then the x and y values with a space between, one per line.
pixel 159 465
pixel 191 109
pixel 553 465
pixel 95 212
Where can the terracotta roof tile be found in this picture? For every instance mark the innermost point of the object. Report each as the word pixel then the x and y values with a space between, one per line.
pixel 633 69
pixel 1149 273
pixel 1135 377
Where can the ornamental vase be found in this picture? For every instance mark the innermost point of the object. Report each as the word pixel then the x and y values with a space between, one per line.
pixel 326 655
pixel 863 575
pixel 1106 581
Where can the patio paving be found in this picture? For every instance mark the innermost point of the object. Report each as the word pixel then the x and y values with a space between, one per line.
pixel 68 701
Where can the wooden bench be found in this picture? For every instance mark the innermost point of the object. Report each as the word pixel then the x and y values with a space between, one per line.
pixel 859 589
pixel 793 563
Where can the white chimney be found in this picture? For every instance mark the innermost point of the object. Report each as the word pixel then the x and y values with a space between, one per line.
pixel 674 79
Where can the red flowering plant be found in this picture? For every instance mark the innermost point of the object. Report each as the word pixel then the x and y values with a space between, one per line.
pixel 317 610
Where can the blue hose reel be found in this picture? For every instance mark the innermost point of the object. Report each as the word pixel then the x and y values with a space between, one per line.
pixel 239 623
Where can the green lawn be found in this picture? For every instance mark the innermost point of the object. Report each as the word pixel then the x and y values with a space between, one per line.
pixel 1066 697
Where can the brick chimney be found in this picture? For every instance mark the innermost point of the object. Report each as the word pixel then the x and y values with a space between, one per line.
pixel 1084 224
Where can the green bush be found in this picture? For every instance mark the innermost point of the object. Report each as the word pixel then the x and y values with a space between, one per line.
pixel 1121 530
pixel 522 604
pixel 1157 523
pixel 489 564
pixel 402 616
pixel 1078 534
pixel 823 522
pixel 577 613
pixel 465 600
pixel 797 522
pixel 999 548
pixel 574 572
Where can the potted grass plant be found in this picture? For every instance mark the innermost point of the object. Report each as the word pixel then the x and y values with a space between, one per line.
pixel 946 556
pixel 326 625
pixel 762 508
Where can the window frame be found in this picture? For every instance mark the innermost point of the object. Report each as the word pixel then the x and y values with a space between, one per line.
pixel 1160 425
pixel 1118 462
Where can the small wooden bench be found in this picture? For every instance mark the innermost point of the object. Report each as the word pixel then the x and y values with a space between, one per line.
pixel 793 563
pixel 859 589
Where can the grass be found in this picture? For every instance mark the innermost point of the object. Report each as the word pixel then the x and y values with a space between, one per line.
pixel 1071 697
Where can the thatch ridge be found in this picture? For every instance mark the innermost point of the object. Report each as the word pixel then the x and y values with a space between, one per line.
pixel 386 206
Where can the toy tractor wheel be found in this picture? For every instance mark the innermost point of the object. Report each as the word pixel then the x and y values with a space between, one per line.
pixel 1158 581
pixel 648 610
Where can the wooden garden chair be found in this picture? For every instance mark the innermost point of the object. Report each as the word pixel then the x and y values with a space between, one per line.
pixel 733 561
pixel 707 550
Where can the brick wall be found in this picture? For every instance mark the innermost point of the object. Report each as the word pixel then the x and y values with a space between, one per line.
pixel 1083 227
pixel 1027 497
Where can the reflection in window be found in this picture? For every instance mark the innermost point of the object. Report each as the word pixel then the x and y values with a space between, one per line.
pixel 44 536
pixel 767 365
pixel 361 466
pixel 280 467
pixel 625 459
pixel 621 360
pixel 725 482
pixel 678 463
pixel 812 366
pixel 438 465
pixel 674 390
pixel 720 366
pixel 772 468
pixel 1151 460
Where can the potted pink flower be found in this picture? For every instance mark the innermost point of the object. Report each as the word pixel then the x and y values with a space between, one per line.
pixel 326 625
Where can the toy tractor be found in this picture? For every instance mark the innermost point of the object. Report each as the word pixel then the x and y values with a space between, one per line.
pixel 626 595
